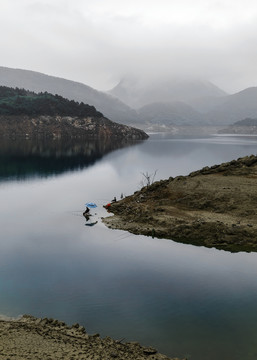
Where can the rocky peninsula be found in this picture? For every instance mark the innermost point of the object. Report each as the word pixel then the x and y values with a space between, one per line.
pixel 29 115
pixel 49 339
pixel 212 207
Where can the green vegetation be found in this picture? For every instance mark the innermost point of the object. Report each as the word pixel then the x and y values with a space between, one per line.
pixel 22 102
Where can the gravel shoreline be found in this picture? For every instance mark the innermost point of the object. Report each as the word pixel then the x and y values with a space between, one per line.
pixel 33 338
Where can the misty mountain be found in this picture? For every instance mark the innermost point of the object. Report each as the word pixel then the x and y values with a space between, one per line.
pixel 245 126
pixel 175 113
pixel 170 101
pixel 137 93
pixel 207 103
pixel 34 81
pixel 235 107
pixel 181 102
pixel 246 122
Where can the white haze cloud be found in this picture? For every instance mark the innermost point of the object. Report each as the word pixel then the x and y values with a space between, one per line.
pixel 98 42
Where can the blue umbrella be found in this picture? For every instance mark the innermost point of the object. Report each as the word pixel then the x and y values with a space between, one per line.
pixel 91 205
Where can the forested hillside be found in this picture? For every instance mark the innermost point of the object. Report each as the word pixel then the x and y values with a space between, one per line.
pixel 111 107
pixel 27 114
pixel 22 102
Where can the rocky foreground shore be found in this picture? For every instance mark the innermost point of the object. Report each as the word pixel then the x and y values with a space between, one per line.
pixel 213 207
pixel 49 339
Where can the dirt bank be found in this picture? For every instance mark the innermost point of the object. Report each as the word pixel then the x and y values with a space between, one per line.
pixel 214 207
pixel 48 339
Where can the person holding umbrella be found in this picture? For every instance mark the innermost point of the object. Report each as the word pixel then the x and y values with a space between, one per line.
pixel 87 214
pixel 89 205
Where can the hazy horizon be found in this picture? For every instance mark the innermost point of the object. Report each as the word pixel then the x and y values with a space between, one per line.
pixel 100 42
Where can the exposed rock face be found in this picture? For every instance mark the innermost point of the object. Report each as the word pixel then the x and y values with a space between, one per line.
pixel 214 207
pixel 65 126
pixel 32 338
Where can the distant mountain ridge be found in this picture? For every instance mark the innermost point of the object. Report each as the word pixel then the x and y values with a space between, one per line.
pixel 111 107
pixel 204 103
pixel 137 92
pixel 235 107
pixel 167 102
pixel 246 122
pixel 175 113
pixel 246 126
pixel 163 102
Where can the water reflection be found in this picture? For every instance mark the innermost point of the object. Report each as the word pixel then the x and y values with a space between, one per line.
pixel 21 159
pixel 184 300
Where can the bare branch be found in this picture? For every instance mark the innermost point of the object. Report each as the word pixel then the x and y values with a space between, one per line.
pixel 148 179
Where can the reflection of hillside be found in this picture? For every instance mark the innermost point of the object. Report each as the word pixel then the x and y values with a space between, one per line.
pixel 21 158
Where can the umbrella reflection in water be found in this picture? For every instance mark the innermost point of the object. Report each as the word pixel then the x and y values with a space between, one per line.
pixel 89 205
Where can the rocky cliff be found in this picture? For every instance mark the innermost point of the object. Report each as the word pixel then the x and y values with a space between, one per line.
pixel 42 126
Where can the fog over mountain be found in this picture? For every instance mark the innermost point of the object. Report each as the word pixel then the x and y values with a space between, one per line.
pixel 170 101
pixel 173 113
pixel 99 42
pixel 138 92
pixel 235 107
pixel 185 101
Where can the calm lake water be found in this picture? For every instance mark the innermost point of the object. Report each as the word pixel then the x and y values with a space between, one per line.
pixel 186 301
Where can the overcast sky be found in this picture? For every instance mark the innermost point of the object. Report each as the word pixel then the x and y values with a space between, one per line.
pixel 98 42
